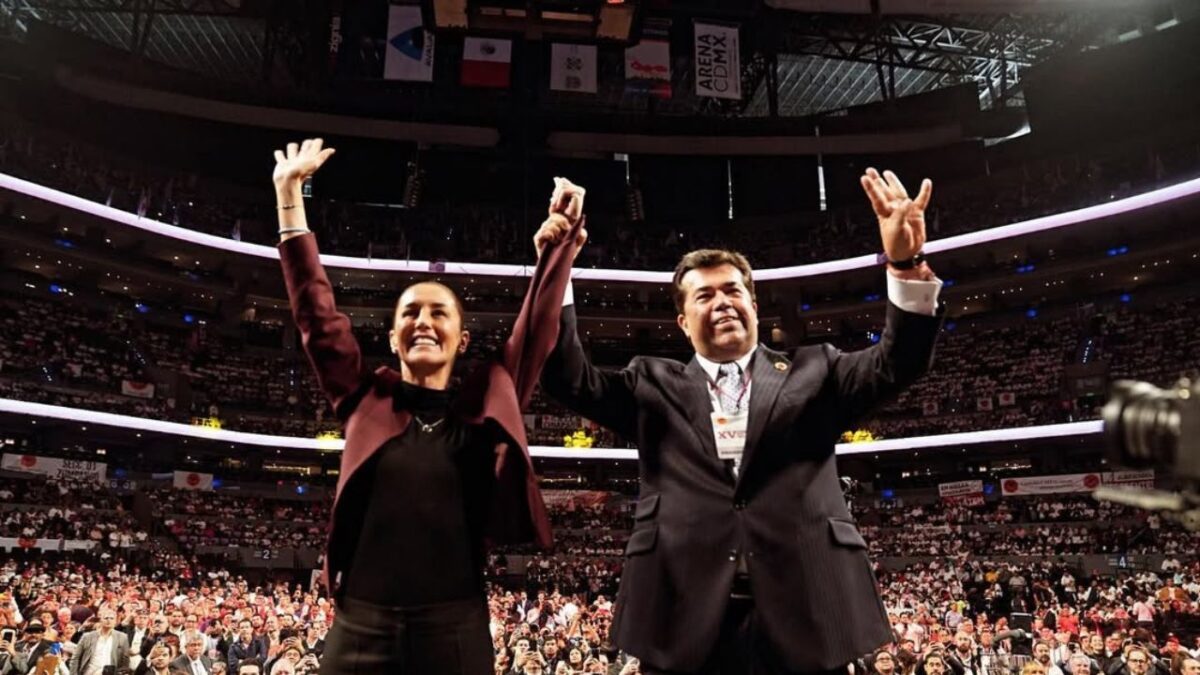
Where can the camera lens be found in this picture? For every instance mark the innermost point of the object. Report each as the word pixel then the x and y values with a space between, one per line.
pixel 1142 423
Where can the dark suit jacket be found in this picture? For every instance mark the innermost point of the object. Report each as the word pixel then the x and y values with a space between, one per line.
pixel 183 664
pixel 811 579
pixel 495 393
pixel 87 651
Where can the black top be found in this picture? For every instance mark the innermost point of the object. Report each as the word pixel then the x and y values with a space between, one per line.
pixel 425 496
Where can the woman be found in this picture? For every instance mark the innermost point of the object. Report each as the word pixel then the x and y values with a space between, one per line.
pixel 427 473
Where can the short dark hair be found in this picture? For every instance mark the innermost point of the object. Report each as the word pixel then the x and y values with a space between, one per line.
pixel 706 258
pixel 249 663
pixel 462 313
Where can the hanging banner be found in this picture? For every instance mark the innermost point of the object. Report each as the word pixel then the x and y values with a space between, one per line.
pixel 718 61
pixel 648 63
pixel 487 62
pixel 409 54
pixel 53 467
pixel 137 389
pixel 190 480
pixel 1044 485
pixel 960 488
pixel 573 68
pixel 1141 479
pixel 963 492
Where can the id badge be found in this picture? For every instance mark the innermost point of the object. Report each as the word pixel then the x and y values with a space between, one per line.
pixel 730 433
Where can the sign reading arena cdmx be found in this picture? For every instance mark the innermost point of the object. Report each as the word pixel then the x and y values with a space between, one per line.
pixel 53 467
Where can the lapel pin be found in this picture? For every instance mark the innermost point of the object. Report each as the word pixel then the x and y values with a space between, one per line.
pixel 780 366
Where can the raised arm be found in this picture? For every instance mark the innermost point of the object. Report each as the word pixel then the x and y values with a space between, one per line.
pixel 536 327
pixel 325 332
pixel 569 377
pixel 864 378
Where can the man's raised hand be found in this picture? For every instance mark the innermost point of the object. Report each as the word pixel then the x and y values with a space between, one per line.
pixel 901 219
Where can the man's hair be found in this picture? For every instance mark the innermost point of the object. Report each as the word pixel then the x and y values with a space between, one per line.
pixel 1079 656
pixel 250 663
pixel 1138 648
pixel 707 258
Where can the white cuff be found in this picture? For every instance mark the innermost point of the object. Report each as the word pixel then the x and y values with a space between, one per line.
pixel 569 295
pixel 914 295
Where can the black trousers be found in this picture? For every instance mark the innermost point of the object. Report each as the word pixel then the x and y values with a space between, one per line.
pixel 742 647
pixel 450 638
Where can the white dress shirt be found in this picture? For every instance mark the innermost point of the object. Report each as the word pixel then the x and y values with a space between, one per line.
pixel 101 656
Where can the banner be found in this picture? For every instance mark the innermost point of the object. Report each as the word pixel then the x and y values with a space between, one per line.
pixel 571 499
pixel 487 62
pixel 959 488
pixel 648 63
pixel 983 403
pixel 190 480
pixel 53 467
pixel 1007 398
pixel 1141 479
pixel 409 54
pixel 929 408
pixel 1044 485
pixel 573 68
pixel 718 61
pixel 137 389
pixel 559 422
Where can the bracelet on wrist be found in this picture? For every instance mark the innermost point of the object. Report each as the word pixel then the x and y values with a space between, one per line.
pixel 285 207
pixel 293 230
pixel 911 263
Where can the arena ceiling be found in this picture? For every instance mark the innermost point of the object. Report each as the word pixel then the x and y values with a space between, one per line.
pixel 817 61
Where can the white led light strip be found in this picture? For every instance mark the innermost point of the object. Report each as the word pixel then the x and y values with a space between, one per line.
pixel 1057 220
pixel 227 436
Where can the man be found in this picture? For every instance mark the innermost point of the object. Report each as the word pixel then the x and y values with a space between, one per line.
pixel 1137 661
pixel 193 661
pixel 249 667
pixel 742 539
pixel 158 631
pixel 175 623
pixel 883 663
pixel 313 642
pixel 245 647
pixel 1190 666
pixel 1041 653
pixel 102 648
pixel 159 660
pixel 1080 664
pixel 965 655
pixel 137 632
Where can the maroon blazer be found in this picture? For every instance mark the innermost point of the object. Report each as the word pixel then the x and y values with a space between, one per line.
pixel 496 391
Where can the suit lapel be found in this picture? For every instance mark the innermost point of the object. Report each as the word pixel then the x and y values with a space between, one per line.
pixel 768 371
pixel 692 397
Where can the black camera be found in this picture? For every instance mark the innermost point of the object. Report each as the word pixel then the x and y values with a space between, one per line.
pixel 1149 427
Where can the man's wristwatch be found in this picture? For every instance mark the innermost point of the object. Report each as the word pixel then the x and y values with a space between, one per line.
pixel 911 263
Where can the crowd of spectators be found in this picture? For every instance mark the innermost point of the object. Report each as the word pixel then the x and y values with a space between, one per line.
pixel 1000 195
pixel 996 374
pixel 558 607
